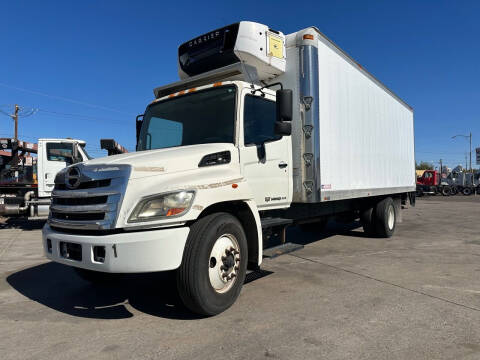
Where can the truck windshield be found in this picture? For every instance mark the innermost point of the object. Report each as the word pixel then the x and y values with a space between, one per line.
pixel 202 117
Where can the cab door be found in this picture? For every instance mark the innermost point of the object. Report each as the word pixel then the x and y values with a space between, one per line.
pixel 53 157
pixel 265 157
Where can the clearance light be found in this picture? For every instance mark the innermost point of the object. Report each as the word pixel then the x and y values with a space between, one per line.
pixel 217 84
pixel 308 37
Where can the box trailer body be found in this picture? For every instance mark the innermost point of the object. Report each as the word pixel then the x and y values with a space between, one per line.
pixel 224 162
pixel 356 139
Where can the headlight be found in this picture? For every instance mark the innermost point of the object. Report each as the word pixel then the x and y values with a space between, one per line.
pixel 162 206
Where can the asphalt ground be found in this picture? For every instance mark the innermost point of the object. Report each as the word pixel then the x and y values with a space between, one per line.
pixel 344 296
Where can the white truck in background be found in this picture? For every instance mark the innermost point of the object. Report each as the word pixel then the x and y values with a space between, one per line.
pixel 26 182
pixel 223 161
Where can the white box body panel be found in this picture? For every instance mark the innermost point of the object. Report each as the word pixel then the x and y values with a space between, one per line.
pixel 366 135
pixel 361 137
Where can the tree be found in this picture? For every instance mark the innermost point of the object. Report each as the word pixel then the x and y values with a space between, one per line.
pixel 423 166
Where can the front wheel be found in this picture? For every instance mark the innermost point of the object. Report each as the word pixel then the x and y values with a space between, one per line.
pixel 214 264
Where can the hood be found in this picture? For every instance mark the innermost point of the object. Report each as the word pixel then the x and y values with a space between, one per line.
pixel 163 161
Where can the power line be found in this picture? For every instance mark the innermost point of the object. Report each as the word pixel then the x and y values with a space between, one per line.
pixel 64 99
pixel 83 117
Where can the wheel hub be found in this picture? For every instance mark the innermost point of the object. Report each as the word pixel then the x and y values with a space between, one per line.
pixel 224 263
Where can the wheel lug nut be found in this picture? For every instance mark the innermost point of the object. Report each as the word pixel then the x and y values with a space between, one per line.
pixel 233 275
pixel 236 268
pixel 224 276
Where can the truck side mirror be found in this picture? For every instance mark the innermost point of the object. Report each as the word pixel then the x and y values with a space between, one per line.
pixel 283 128
pixel 283 125
pixel 138 124
pixel 284 105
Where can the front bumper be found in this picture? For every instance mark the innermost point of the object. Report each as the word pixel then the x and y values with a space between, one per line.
pixel 134 252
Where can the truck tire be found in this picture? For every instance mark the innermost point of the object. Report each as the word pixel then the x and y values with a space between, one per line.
pixel 385 218
pixel 467 191
pixel 454 190
pixel 367 219
pixel 446 191
pixel 214 264
pixel 96 277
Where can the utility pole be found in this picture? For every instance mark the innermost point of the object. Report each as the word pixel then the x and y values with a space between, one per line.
pixel 15 118
pixel 441 168
pixel 471 170
pixel 18 112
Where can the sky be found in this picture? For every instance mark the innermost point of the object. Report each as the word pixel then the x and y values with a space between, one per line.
pixel 89 67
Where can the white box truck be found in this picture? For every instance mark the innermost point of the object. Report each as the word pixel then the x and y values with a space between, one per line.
pixel 262 131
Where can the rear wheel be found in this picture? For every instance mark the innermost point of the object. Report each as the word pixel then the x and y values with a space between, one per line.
pixel 467 191
pixel 214 264
pixel 367 219
pixel 385 218
pixel 446 191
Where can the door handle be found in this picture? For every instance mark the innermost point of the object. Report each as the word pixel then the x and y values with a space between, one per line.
pixel 282 165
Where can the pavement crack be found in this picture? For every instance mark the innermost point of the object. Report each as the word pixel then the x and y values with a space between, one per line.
pixel 387 283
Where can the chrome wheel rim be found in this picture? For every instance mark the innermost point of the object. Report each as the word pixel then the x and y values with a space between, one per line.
pixel 391 217
pixel 224 263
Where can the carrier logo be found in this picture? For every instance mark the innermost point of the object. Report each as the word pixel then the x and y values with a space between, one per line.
pixel 204 38
pixel 72 178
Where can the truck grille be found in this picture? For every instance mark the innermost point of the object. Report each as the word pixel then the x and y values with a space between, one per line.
pixel 78 216
pixel 87 184
pixel 72 201
pixel 94 201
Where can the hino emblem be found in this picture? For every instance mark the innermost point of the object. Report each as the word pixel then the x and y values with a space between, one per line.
pixel 72 178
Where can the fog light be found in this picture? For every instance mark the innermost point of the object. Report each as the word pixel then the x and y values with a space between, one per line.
pixel 49 246
pixel 99 254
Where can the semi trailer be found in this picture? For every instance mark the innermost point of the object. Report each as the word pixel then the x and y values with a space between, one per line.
pixel 262 131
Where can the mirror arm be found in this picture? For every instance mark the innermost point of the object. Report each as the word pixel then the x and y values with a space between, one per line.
pixel 266 87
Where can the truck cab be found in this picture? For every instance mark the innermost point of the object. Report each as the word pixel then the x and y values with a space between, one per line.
pixel 54 155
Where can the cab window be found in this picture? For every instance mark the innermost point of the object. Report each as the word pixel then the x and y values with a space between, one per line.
pixel 259 120
pixel 60 152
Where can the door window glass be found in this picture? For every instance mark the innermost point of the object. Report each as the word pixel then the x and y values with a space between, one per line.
pixel 60 152
pixel 259 120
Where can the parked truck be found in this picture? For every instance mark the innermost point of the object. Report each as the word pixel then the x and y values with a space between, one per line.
pixel 432 183
pixel 261 132
pixel 26 182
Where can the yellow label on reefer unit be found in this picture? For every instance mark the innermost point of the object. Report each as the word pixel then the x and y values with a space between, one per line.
pixel 275 46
